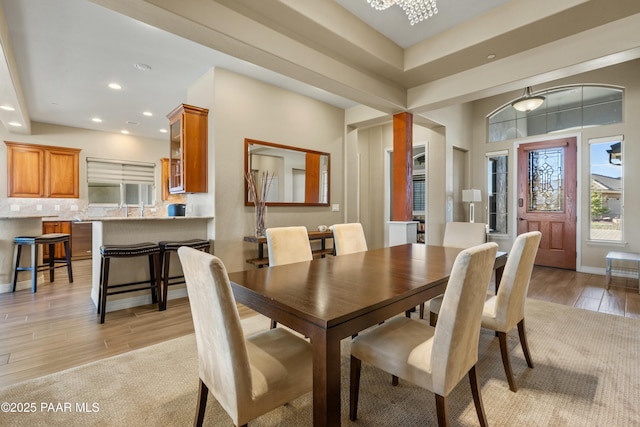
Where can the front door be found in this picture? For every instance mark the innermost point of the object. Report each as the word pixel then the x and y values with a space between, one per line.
pixel 547 189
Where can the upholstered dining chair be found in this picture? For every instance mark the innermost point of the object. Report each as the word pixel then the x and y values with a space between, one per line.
pixel 464 234
pixel 348 238
pixel 433 358
pixel 248 376
pixel 287 245
pixel 504 310
pixel 461 235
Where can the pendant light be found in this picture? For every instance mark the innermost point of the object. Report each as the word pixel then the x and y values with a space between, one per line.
pixel 527 102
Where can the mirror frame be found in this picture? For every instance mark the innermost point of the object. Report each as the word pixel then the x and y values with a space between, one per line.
pixel 247 202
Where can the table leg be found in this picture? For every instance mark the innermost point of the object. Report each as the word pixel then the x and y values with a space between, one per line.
pixel 608 273
pixel 326 380
pixel 498 274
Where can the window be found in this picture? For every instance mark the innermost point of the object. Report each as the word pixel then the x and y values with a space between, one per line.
pixel 119 182
pixel 605 195
pixel 497 192
pixel 569 107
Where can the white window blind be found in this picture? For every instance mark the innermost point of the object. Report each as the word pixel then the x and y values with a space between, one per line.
pixel 119 172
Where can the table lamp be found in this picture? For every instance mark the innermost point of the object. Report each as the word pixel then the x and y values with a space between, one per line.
pixel 471 196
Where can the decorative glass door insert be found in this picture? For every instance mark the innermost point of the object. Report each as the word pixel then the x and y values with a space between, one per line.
pixel 546 180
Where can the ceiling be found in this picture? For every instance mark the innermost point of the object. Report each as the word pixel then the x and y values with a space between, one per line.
pixel 60 56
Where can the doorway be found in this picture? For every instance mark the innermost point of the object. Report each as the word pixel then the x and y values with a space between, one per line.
pixel 547 190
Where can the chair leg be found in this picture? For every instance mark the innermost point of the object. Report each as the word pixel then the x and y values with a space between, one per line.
pixel 477 398
pixel 17 251
pixel 504 352
pixel 354 386
pixel 34 268
pixel 523 343
pixel 104 283
pixel 52 262
pixel 166 259
pixel 203 393
pixel 274 324
pixel 394 380
pixel 433 318
pixel 441 410
pixel 154 276
pixel 67 255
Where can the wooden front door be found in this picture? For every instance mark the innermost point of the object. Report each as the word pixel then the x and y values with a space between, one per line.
pixel 547 188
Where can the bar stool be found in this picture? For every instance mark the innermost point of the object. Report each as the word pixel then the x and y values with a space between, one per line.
pixel 128 251
pixel 166 248
pixel 34 241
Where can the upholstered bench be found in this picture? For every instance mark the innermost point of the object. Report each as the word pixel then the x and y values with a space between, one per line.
pixel 35 241
pixel 166 249
pixel 151 250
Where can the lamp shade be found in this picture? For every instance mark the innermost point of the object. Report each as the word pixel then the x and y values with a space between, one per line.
pixel 527 102
pixel 471 196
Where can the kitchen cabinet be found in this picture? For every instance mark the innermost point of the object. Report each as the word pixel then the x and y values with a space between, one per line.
pixel 42 171
pixel 188 149
pixel 56 227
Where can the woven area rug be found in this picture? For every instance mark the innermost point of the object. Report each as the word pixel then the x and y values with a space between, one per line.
pixel 586 374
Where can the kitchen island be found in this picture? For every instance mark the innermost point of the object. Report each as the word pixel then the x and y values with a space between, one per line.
pixel 12 226
pixel 121 231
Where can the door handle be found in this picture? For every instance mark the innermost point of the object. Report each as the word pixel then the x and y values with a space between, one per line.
pixel 521 219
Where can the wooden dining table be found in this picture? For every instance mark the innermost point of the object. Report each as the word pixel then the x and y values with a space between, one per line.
pixel 332 298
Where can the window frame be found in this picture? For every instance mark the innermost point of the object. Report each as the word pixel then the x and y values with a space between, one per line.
pixel 606 141
pixel 489 156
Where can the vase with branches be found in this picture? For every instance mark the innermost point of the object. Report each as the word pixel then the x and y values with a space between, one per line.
pixel 258 192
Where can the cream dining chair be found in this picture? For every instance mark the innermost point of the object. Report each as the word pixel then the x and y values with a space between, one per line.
pixel 461 235
pixel 287 245
pixel 348 238
pixel 504 310
pixel 248 376
pixel 434 358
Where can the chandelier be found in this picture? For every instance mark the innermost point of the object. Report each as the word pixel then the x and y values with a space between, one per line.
pixel 416 10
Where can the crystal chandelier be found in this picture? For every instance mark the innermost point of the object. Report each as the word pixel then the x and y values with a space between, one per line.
pixel 416 10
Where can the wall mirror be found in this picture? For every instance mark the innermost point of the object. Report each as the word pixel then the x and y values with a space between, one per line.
pixel 300 176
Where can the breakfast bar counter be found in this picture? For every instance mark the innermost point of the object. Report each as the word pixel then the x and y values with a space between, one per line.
pixel 123 231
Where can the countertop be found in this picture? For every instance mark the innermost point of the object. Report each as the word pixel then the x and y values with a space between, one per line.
pixel 142 218
pixel 24 216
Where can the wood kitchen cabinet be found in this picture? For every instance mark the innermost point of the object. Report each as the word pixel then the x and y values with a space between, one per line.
pixel 188 149
pixel 56 227
pixel 42 171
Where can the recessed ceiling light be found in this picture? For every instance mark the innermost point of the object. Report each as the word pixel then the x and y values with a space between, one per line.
pixel 97 120
pixel 142 67
pixel 163 131
pixel 132 123
pixel 115 86
pixel 491 56
pixel 126 132
pixel 7 108
pixel 16 124
pixel 148 113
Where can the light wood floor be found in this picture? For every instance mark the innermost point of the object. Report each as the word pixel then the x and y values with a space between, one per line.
pixel 57 328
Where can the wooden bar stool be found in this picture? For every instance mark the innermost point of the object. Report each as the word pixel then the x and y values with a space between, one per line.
pixel 166 248
pixel 34 241
pixel 127 251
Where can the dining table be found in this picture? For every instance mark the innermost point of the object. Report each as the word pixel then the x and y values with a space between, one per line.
pixel 329 299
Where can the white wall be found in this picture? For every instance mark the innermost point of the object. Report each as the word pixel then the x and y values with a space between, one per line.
pixel 246 108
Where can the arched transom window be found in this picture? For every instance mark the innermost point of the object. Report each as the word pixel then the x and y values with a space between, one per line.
pixel 564 108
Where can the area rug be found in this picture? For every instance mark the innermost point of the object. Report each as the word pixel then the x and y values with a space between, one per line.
pixel 586 374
